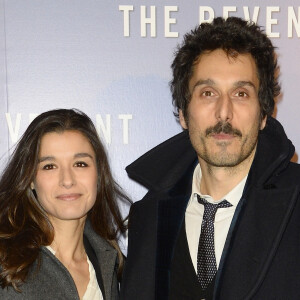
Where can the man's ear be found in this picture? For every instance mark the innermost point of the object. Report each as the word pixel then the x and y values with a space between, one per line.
pixel 182 120
pixel 263 123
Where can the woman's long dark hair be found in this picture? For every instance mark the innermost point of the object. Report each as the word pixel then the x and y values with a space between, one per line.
pixel 24 227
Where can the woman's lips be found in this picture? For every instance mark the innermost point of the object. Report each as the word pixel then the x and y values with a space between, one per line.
pixel 69 197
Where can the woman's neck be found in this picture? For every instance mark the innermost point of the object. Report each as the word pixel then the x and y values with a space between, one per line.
pixel 69 249
pixel 68 239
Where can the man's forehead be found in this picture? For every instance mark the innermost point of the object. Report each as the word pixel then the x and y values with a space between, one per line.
pixel 215 66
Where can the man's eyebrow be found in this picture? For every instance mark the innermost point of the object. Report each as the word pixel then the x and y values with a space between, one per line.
pixel 245 83
pixel 237 84
pixel 201 82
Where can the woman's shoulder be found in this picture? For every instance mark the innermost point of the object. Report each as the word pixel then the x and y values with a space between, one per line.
pixel 47 280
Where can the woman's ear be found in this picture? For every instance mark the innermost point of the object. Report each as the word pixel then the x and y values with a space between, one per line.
pixel 32 185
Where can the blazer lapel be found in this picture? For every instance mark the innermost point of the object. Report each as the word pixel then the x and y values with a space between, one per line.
pixel 93 258
pixel 254 241
pixel 106 256
pixel 107 259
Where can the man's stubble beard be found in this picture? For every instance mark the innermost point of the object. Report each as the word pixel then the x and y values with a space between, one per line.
pixel 222 158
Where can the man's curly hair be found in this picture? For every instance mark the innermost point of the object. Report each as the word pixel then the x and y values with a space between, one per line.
pixel 234 36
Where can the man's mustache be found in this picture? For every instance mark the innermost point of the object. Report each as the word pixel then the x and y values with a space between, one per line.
pixel 223 127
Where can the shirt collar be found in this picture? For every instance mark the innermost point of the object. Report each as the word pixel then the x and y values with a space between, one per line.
pixel 233 197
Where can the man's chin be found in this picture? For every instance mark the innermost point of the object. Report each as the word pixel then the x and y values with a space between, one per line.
pixel 223 160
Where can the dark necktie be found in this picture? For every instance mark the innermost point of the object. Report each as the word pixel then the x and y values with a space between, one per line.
pixel 206 260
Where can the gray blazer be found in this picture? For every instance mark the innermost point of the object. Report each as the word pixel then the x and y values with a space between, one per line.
pixel 53 281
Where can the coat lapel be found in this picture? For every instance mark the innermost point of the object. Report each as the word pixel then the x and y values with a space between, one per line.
pixel 254 241
pixel 171 211
pixel 106 256
pixel 170 216
pixel 107 259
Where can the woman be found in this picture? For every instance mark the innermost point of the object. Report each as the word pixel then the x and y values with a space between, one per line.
pixel 59 217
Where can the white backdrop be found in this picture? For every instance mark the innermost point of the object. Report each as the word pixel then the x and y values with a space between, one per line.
pixel 111 59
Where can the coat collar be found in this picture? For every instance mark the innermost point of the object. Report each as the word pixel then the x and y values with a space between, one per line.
pixel 163 166
pixel 273 154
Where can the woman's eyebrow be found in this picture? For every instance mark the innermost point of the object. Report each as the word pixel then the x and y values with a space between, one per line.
pixel 44 158
pixel 83 154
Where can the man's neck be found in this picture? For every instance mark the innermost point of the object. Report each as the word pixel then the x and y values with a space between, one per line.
pixel 219 181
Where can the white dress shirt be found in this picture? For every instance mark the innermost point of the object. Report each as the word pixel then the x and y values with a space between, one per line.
pixel 194 215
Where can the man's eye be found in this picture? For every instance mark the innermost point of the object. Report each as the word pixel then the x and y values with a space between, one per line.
pixel 48 167
pixel 81 164
pixel 207 93
pixel 241 94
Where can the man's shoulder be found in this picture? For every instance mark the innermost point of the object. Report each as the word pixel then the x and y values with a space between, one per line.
pixel 290 176
pixel 293 168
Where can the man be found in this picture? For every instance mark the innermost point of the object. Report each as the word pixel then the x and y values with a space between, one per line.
pixel 221 219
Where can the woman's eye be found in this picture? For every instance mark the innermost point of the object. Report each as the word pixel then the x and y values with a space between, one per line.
pixel 81 164
pixel 48 167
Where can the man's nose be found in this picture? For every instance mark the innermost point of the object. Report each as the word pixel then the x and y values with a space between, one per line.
pixel 224 109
